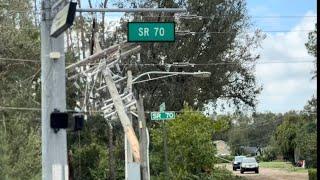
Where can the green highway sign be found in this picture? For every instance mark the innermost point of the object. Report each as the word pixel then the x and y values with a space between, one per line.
pixel 163 115
pixel 151 31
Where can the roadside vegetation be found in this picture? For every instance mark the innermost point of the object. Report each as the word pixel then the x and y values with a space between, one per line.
pixel 287 166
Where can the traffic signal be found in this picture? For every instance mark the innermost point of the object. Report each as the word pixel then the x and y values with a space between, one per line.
pixel 78 122
pixel 58 120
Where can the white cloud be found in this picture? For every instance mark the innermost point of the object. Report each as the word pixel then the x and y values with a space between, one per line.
pixel 286 86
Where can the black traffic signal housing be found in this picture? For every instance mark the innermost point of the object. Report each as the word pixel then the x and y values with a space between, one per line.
pixel 58 120
pixel 78 122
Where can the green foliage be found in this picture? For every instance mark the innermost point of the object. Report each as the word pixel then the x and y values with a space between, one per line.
pixel 312 173
pixel 93 162
pixel 91 158
pixel 236 83
pixel 311 46
pixel 307 142
pixel 269 154
pixel 191 152
pixel 222 125
pixel 223 174
pixel 20 149
pixel 254 131
pixel 298 134
pixel 286 134
pixel 287 166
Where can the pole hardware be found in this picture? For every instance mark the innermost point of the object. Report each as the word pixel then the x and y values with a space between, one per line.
pixel 58 120
pixel 55 55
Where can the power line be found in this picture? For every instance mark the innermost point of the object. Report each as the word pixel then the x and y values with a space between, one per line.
pixel 22 60
pixel 190 64
pixel 19 108
pixel 224 16
pixel 20 28
pixel 222 63
pixel 190 16
pixel 248 32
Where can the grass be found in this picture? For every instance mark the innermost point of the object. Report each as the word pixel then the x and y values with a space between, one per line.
pixel 282 165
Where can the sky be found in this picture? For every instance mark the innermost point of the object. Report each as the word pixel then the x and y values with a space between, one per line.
pixel 286 86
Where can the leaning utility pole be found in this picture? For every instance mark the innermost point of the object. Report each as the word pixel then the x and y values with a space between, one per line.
pixel 127 149
pixel 143 140
pixel 53 96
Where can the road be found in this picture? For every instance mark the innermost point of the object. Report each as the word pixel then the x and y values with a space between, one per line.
pixel 271 174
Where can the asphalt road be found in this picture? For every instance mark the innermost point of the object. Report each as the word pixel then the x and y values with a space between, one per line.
pixel 271 174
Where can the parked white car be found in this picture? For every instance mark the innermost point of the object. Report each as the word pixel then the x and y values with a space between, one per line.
pixel 249 164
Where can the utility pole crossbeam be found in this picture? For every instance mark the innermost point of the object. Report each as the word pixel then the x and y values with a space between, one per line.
pixel 53 96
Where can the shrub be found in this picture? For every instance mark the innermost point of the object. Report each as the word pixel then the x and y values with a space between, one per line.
pixel 312 174
pixel 269 154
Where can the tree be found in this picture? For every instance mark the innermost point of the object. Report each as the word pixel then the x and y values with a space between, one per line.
pixel 286 134
pixel 254 131
pixel 311 46
pixel 191 151
pixel 20 156
pixel 220 39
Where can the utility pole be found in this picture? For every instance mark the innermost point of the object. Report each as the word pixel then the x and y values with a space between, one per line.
pixel 143 140
pixel 133 147
pixel 53 96
pixel 128 150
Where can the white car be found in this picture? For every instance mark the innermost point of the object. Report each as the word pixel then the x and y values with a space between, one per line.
pixel 249 164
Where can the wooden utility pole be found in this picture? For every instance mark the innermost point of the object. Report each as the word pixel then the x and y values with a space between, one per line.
pixel 127 148
pixel 125 121
pixel 143 140
pixel 53 96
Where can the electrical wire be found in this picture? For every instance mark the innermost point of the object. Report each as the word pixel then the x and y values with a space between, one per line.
pixel 20 28
pixel 190 16
pixel 224 16
pixel 248 32
pixel 190 64
pixel 22 60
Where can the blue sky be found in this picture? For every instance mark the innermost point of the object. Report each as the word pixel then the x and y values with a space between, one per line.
pixel 286 86
pixel 277 8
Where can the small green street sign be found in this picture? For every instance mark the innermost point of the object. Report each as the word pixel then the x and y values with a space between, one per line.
pixel 151 31
pixel 163 115
pixel 162 107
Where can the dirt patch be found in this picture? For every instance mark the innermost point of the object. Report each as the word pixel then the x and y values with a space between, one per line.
pixel 270 174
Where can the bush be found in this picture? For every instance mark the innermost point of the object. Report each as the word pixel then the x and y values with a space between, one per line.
pixel 312 174
pixel 223 174
pixel 269 154
pixel 191 153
